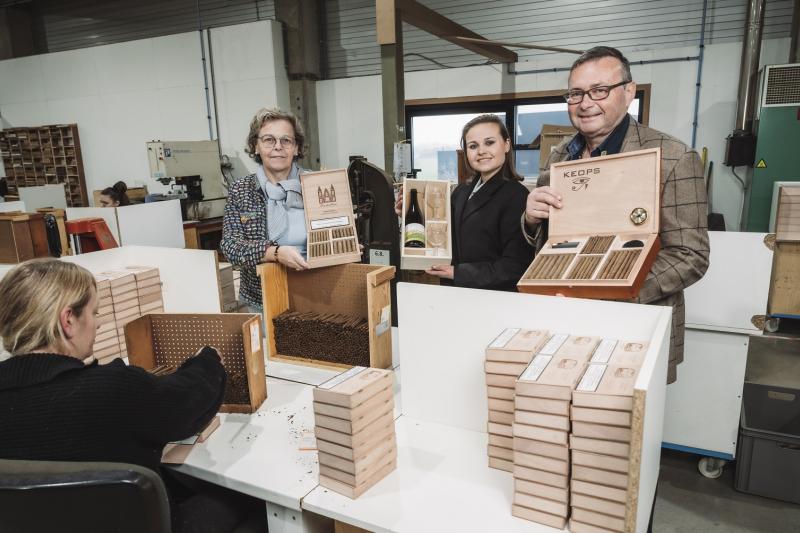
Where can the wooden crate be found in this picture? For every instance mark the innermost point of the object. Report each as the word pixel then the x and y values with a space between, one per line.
pixel 22 236
pixel 352 289
pixel 170 339
pixel 425 258
pixel 609 203
pixel 784 289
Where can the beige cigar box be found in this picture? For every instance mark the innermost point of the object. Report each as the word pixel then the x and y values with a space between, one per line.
pixel 543 491
pixel 105 308
pixel 540 462
pixel 580 527
pixel 142 273
pixel 501 380
pixel 501 464
pixel 355 491
pixel 332 238
pixel 599 431
pixel 506 369
pixel 540 476
pixel 107 359
pixel 103 293
pixel 554 436
pixel 352 426
pixel 364 460
pixel 515 345
pixel 542 405
pixel 380 401
pixel 613 391
pixel 354 386
pixel 603 462
pixel 118 279
pixel 629 353
pixel 504 406
pixel 592 489
pixel 105 319
pixel 105 327
pixel 153 289
pixel 123 292
pixel 601 416
pixel 541 504
pixel 355 480
pixel 539 517
pixel 551 377
pixel 349 452
pixel 600 477
pixel 545 420
pixel 495 428
pixel 603 241
pixel 150 298
pixel 605 447
pixel 599 505
pixel 381 426
pixel 175 453
pixel 122 305
pixel 105 344
pixel 608 522
pixel 501 417
pixel 433 199
pixel 130 314
pixel 506 454
pixel 546 449
pixel 500 393
pixel 107 333
pixel 152 307
pixel 503 442
pixel 578 347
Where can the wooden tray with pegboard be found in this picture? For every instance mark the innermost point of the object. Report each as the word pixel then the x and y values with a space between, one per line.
pixel 603 241
pixel 169 339
pixel 330 222
pixel 353 290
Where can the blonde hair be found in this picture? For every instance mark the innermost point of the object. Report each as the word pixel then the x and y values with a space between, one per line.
pixel 265 115
pixel 33 295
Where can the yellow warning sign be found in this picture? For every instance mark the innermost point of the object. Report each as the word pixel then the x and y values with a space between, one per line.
pixel 761 164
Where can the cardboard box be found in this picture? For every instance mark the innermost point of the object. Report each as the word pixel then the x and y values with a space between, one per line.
pixel 330 222
pixel 603 241
pixel 433 197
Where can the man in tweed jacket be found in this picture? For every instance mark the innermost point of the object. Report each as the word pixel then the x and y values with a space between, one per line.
pixel 600 91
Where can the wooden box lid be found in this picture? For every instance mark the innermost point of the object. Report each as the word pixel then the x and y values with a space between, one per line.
pixel 326 197
pixel 609 194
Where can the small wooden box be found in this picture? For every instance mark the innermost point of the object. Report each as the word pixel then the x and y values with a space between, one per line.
pixel 357 290
pixel 330 222
pixel 603 241
pixel 433 197
pixel 170 339
pixel 22 236
pixel 784 289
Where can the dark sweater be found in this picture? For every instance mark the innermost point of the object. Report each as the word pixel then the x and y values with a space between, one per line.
pixel 53 407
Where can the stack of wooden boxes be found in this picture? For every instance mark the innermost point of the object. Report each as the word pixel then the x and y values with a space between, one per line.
pixel 227 292
pixel 506 357
pixel 541 429
pixel 148 289
pixel 106 343
pixel 354 427
pixel 601 415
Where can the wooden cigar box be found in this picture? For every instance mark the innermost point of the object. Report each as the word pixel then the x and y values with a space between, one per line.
pixel 601 416
pixel 495 428
pixel 599 431
pixel 99 346
pixel 629 353
pixel 106 327
pixel 593 489
pixel 354 491
pixel 142 273
pixel 539 462
pixel 605 447
pixel 553 436
pixel 152 289
pixel 500 393
pixel 552 377
pixel 350 453
pixel 364 460
pixel 381 426
pixel 23 236
pixel 330 222
pixel 104 319
pixel 542 420
pixel 501 380
pixel 546 449
pixel 543 491
pixel 433 197
pixel 603 241
pixel 352 426
pixel 600 477
pixel 150 298
pixel 580 527
pixel 501 417
pixel 501 464
pixel 107 333
pixel 577 346
pixel 504 406
pixel 129 303
pixel 515 345
pixel 539 517
pixel 499 440
pixel 506 369
pixel 604 462
pixel 608 522
pixel 380 401
pixel 599 505
pixel 152 307
pixel 506 454
pixel 353 387
pixel 538 503
pixel 606 387
pixel 542 405
pixel 540 476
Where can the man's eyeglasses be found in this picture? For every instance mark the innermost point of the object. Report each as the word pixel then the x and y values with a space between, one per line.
pixel 575 96
pixel 270 141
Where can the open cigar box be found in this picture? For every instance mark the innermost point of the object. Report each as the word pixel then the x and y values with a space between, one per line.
pixel 604 239
pixel 330 222
pixel 433 197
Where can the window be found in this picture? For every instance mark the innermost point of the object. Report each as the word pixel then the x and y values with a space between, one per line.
pixel 435 128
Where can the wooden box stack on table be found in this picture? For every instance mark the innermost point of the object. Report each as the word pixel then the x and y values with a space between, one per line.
pixel 354 427
pixel 506 358
pixel 600 443
pixel 125 299
pixel 106 341
pixel 541 429
pixel 148 289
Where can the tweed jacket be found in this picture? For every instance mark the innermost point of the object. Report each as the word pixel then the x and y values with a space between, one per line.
pixel 683 258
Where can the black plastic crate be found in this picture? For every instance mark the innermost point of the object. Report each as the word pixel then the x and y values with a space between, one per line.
pixel 768 452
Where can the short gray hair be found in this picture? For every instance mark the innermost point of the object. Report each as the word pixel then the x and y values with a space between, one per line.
pixel 265 115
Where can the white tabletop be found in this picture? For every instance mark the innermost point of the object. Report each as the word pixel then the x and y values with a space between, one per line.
pixel 442 483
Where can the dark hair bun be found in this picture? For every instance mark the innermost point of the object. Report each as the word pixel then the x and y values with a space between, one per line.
pixel 120 187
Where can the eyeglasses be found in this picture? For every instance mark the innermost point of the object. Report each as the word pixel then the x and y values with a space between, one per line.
pixel 575 96
pixel 270 141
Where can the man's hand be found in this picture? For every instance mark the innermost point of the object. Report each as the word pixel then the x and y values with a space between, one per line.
pixel 441 271
pixel 539 201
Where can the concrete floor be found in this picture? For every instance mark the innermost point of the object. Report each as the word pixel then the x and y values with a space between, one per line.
pixel 687 502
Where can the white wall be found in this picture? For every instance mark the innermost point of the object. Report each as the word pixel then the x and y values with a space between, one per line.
pixel 123 95
pixel 350 116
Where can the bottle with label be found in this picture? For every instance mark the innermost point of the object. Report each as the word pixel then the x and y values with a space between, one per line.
pixel 415 225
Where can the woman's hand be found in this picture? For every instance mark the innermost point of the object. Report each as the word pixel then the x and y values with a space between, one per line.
pixel 398 204
pixel 441 271
pixel 291 258
pixel 538 206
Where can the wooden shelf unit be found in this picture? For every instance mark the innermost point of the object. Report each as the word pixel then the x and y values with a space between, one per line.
pixel 42 156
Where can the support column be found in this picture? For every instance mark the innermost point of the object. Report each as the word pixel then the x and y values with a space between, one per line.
pixel 390 38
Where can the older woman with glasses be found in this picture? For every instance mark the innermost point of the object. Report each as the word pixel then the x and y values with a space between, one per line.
pixel 264 218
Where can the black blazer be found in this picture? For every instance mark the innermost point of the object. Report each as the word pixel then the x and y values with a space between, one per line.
pixel 489 250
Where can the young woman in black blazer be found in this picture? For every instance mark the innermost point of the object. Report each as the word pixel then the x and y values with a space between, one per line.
pixel 489 251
